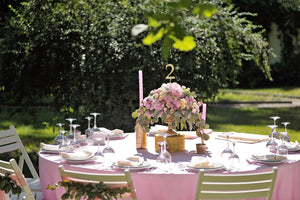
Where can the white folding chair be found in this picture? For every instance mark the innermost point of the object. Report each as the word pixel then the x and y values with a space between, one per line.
pixel 12 168
pixel 236 186
pixel 112 180
pixel 10 141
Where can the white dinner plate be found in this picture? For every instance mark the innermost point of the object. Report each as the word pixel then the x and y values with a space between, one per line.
pixel 269 161
pixel 80 161
pixel 216 166
pixel 145 165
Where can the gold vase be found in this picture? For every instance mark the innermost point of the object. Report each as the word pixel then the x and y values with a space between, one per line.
pixel 175 141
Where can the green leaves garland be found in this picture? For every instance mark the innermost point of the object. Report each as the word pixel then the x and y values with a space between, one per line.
pixel 79 190
pixel 7 185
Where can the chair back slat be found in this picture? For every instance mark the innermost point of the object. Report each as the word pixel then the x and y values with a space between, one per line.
pixel 9 148
pixel 10 141
pixel 118 180
pixel 236 186
pixel 12 168
pixel 6 133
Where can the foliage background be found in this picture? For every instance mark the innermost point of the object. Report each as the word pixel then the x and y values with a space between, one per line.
pixel 79 56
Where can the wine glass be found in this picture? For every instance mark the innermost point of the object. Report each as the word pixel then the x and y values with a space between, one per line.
pixel 63 143
pixel 71 135
pixel 161 157
pixel 227 151
pixel 283 149
pixel 272 144
pixel 108 152
pixel 234 159
pixel 275 133
pixel 75 143
pixel 166 154
pixel 88 131
pixel 95 128
pixel 59 137
pixel 286 137
pixel 98 137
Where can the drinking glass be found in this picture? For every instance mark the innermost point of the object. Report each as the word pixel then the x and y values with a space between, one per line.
pixel 98 137
pixel 88 131
pixel 95 128
pixel 166 154
pixel 161 157
pixel 234 159
pixel 283 149
pixel 275 133
pixel 107 148
pixel 59 137
pixel 63 143
pixel 108 153
pixel 272 144
pixel 71 134
pixel 227 151
pixel 75 143
pixel 286 137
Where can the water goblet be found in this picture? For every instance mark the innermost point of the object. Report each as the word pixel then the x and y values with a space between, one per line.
pixel 75 143
pixel 275 133
pixel 234 159
pixel 166 154
pixel 98 137
pixel 272 144
pixel 58 138
pixel 63 143
pixel 286 137
pixel 88 131
pixel 283 149
pixel 161 157
pixel 71 134
pixel 95 128
pixel 108 152
pixel 227 151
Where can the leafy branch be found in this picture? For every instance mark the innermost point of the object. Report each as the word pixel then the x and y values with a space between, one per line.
pixel 78 190
pixel 7 185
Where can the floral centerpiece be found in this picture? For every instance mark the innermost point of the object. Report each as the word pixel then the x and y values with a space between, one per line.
pixel 170 103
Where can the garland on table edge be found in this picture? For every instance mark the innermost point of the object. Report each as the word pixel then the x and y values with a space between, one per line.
pixel 7 185
pixel 78 190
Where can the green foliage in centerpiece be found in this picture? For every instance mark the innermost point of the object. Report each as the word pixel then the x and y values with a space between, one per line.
pixel 173 100
pixel 78 190
pixel 7 184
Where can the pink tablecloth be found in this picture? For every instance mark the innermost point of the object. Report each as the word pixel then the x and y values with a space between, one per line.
pixel 177 183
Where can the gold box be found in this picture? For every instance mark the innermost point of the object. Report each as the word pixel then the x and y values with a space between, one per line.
pixel 175 143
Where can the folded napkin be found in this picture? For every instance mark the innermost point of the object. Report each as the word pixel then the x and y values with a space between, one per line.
pixel 201 162
pixel 78 155
pixel 132 161
pixel 158 129
pixel 268 157
pixel 49 147
pixel 292 145
pixel 113 132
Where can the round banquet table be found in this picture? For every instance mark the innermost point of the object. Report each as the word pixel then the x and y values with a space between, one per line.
pixel 176 181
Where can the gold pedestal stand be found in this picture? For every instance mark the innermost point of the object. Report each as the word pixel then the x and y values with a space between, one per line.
pixel 175 141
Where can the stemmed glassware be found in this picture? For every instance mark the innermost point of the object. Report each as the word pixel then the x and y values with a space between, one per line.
pixel 283 149
pixel 108 152
pixel 95 128
pixel 63 143
pixel 234 158
pixel 164 156
pixel 75 142
pixel 286 137
pixel 71 135
pixel 88 131
pixel 59 136
pixel 275 133
pixel 227 151
pixel 98 137
pixel 272 144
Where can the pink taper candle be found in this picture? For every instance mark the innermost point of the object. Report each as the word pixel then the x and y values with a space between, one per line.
pixel 141 86
pixel 204 111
